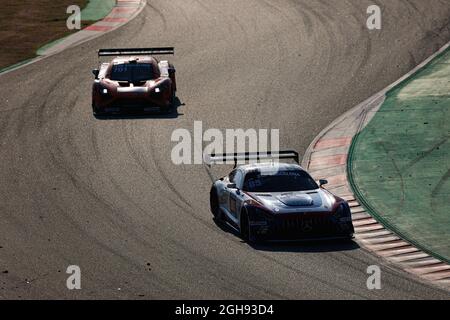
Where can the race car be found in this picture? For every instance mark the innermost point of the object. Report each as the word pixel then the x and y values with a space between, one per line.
pixel 134 81
pixel 275 201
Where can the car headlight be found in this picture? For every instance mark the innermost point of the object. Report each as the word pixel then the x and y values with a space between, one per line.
pixel 262 214
pixel 102 90
pixel 157 90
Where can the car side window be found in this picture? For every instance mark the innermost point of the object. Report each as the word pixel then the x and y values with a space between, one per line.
pixel 238 178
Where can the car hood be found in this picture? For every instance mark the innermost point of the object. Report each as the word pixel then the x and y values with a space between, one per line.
pixel 305 201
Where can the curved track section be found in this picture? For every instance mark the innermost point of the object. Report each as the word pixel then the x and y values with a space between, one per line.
pixel 105 195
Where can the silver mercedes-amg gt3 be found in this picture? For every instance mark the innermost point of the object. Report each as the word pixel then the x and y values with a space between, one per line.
pixel 277 201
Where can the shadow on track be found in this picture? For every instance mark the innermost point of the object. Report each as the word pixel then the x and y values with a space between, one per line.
pixel 295 246
pixel 172 114
pixel 308 246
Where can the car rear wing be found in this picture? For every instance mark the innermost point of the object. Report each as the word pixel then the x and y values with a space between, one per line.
pixel 247 156
pixel 136 51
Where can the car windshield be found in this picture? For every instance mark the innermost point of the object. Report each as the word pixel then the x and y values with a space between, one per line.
pixel 131 72
pixel 282 181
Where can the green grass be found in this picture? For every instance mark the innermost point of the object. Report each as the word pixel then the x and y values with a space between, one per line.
pixel 97 9
pixel 400 163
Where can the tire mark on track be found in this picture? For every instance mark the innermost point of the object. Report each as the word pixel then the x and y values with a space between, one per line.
pixel 159 14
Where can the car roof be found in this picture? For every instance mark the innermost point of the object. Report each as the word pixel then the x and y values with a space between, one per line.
pixel 269 165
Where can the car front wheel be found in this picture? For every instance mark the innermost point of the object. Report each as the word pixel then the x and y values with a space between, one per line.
pixel 95 111
pixel 246 231
pixel 214 204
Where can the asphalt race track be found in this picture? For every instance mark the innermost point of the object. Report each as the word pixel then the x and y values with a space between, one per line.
pixel 105 195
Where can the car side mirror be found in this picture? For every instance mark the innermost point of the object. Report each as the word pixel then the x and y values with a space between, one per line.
pixel 232 186
pixel 323 182
pixel 96 72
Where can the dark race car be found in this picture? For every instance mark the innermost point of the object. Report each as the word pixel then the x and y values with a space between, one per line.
pixel 134 81
pixel 277 201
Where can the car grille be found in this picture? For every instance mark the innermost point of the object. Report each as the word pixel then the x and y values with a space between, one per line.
pixel 305 225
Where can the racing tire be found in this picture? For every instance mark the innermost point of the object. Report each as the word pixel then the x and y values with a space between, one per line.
pixel 245 229
pixel 171 107
pixel 172 98
pixel 214 205
pixel 97 113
